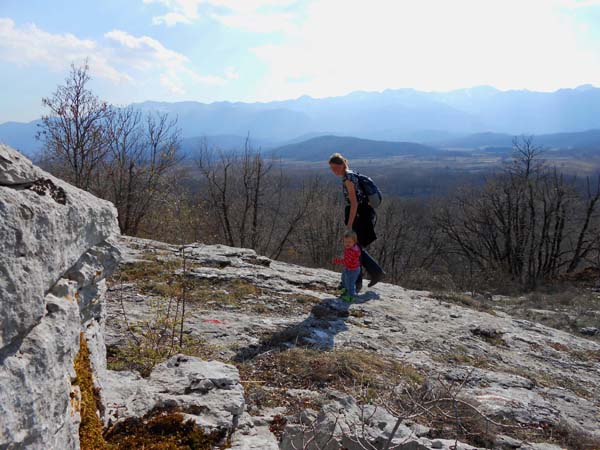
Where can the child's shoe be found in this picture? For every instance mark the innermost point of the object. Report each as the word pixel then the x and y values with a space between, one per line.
pixel 348 298
pixel 344 291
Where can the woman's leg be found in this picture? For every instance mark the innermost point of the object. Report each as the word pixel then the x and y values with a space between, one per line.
pixel 364 227
pixel 372 267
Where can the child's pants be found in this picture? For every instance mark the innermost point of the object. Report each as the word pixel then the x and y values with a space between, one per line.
pixel 349 278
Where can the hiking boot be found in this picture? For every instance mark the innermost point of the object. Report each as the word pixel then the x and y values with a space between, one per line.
pixel 376 278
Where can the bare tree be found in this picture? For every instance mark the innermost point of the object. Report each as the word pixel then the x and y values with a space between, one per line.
pixel 142 149
pixel 73 132
pixel 530 222
pixel 253 202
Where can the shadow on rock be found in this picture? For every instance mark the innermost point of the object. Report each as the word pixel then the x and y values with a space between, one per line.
pixel 318 330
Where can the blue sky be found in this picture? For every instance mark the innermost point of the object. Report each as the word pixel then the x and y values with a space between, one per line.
pixel 261 50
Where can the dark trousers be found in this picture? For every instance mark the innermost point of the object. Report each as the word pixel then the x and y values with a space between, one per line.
pixel 371 266
pixel 364 226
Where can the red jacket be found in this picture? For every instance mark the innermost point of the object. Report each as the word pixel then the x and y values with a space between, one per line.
pixel 351 259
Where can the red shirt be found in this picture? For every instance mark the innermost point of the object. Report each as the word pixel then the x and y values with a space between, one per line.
pixel 351 259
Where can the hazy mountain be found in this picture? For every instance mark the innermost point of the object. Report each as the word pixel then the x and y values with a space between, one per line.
pixel 191 146
pixel 589 139
pixel 320 148
pixel 403 114
pixel 21 136
pixel 391 115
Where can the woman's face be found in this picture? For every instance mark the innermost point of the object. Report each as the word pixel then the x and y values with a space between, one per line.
pixel 338 169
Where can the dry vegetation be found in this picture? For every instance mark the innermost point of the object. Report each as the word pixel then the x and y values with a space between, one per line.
pixel 90 429
pixel 268 376
pixel 160 431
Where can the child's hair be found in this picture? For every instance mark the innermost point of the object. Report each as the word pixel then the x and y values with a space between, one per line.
pixel 338 159
pixel 350 234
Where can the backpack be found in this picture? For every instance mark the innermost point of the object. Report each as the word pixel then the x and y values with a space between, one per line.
pixel 370 189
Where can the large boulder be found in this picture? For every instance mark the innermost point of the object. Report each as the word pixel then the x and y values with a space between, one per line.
pixel 55 242
pixel 46 225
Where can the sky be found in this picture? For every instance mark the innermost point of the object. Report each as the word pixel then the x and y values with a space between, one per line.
pixel 263 50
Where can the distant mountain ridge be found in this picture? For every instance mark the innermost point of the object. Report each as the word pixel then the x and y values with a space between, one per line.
pixel 320 148
pixel 391 115
pixel 589 139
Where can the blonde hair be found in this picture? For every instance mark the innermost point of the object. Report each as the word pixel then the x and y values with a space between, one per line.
pixel 351 234
pixel 338 159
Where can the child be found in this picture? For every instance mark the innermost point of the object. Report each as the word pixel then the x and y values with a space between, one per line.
pixel 351 262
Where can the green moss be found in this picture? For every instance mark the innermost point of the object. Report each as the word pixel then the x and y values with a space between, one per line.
pixel 90 429
pixel 163 431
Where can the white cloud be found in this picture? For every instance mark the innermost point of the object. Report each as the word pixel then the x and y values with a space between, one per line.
pixel 343 46
pixel 257 22
pixel 29 45
pixel 147 54
pixel 257 16
pixel 120 57
pixel 143 52
pixel 581 3
pixel 231 73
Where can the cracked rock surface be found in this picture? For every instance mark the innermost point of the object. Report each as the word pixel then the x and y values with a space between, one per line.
pixel 55 242
pixel 514 369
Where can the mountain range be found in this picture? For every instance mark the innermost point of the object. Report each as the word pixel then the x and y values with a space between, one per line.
pixel 391 115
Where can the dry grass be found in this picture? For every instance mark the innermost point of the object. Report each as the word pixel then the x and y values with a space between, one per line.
pixel 269 375
pixel 143 357
pixel 568 309
pixel 463 300
pixel 461 356
pixel 549 380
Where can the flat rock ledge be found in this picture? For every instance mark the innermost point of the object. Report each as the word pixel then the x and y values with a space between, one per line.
pixel 209 392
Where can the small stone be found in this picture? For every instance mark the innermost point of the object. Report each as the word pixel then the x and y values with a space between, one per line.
pixel 506 442
pixel 589 331
pixel 420 430
pixel 437 444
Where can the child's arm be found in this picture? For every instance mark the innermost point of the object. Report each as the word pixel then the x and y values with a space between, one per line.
pixel 338 261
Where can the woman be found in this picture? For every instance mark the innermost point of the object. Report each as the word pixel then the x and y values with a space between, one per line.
pixel 359 216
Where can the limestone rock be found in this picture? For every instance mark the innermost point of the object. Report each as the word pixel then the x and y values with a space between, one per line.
pixel 40 239
pixel 16 168
pixel 511 368
pixel 343 424
pixel 56 252
pixel 207 391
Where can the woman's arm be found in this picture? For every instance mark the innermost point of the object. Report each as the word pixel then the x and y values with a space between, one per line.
pixel 353 203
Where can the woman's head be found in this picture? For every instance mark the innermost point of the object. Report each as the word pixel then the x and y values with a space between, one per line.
pixel 338 164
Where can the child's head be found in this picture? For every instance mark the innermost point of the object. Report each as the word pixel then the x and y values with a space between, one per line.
pixel 349 239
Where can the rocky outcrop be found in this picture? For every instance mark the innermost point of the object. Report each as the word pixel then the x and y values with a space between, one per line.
pixel 514 370
pixel 55 242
